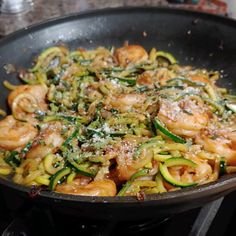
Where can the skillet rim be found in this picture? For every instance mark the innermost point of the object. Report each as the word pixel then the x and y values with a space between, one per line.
pixel 222 186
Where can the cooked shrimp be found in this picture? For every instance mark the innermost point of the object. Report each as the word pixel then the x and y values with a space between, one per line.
pixel 224 146
pixel 163 75
pixel 104 187
pixel 146 78
pixel 37 91
pixel 26 99
pixel 126 102
pixel 102 57
pixel 48 141
pixel 122 153
pixel 125 168
pixel 183 118
pixel 15 134
pixel 203 172
pixel 232 137
pixel 130 54
pixel 126 164
pixel 199 78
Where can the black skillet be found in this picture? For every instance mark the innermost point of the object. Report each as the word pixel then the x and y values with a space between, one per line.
pixel 198 39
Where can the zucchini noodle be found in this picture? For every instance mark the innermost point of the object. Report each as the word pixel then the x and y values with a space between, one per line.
pixel 25 102
pixel 2 113
pixel 9 86
pixel 117 122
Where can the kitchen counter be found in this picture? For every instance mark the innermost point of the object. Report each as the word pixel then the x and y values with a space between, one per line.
pixel 47 9
pixel 43 10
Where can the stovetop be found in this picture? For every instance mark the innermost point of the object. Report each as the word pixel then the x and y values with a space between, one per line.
pixel 216 218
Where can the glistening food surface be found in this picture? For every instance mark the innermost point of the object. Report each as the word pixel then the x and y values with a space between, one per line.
pixel 122 121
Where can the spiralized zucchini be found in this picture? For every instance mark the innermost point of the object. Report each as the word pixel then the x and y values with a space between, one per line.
pixel 117 122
